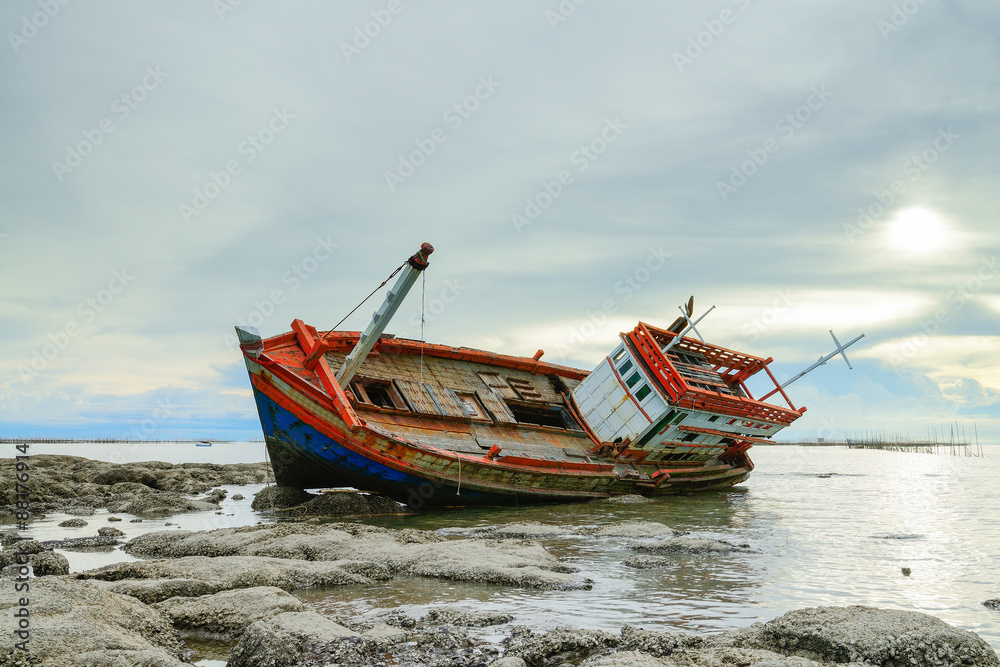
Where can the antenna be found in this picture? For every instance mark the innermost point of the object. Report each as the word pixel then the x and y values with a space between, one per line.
pixel 822 360
pixel 689 327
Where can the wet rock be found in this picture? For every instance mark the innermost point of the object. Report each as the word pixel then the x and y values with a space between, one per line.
pixel 511 661
pixel 466 618
pixel 650 562
pixel 531 530
pixel 132 520
pixel 878 636
pixel 386 635
pixel 151 591
pixel 131 498
pixel 447 638
pixel 373 549
pixel 238 496
pixel 117 518
pixel 658 644
pixel 906 571
pixel 222 574
pixel 626 659
pixel 992 604
pixel 628 499
pixel 398 619
pixel 228 612
pixel 559 645
pixel 117 474
pixel 286 639
pixel 16 553
pixel 108 531
pixel 77 623
pixel 49 563
pixel 352 504
pixel 279 497
pixel 633 529
pixel 96 542
pixel 9 537
pixel 216 496
pixel 689 545
pixel 79 486
pixel 73 523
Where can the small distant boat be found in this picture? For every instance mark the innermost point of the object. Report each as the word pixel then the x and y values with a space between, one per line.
pixel 203 443
pixel 434 425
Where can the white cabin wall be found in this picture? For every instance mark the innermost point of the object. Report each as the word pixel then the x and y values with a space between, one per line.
pixel 609 406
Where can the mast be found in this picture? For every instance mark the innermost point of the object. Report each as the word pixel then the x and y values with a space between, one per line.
pixel 393 299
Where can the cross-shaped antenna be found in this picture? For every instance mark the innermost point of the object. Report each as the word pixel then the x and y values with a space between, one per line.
pixel 689 327
pixel 822 360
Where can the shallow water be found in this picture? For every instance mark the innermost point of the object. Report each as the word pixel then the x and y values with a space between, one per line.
pixel 832 527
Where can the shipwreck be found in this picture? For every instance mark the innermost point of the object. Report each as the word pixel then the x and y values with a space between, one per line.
pixel 435 425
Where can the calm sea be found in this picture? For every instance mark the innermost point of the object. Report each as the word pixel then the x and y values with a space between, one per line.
pixel 831 526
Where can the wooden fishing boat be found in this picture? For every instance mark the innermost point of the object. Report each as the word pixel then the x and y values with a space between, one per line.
pixel 434 425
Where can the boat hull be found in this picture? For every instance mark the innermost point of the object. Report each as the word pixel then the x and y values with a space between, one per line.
pixel 310 447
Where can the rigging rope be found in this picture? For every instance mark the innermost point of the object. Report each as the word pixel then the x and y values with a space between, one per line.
pixel 398 269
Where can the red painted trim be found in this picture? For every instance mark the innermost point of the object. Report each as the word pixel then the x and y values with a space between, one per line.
pixel 310 345
pixel 345 340
pixel 574 410
pixel 627 392
pixel 663 371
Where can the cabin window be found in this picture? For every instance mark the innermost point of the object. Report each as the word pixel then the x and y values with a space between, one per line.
pixel 380 393
pixel 470 405
pixel 689 437
pixel 679 418
pixel 713 418
pixel 624 368
pixel 632 380
pixel 643 392
pixel 618 356
pixel 543 415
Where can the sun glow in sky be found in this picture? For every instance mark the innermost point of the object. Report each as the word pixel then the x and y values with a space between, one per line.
pixel 919 231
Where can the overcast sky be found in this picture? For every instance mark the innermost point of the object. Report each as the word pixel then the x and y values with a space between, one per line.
pixel 172 168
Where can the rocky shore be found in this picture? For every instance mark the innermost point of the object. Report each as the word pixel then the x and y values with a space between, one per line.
pixel 80 486
pixel 88 621
pixel 245 589
pixel 238 585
